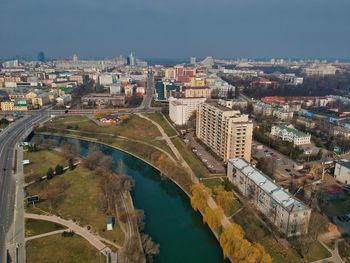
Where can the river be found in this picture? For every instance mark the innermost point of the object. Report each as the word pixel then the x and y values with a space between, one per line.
pixel 170 220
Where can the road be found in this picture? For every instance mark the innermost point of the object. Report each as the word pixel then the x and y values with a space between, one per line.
pixel 12 134
pixel 8 140
pixel 147 99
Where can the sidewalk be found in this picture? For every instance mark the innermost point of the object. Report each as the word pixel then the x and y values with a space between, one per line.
pixel 90 237
pixel 16 234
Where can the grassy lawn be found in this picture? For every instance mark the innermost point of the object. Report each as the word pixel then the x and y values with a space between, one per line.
pixel 40 162
pixel 134 128
pixel 212 182
pixel 280 251
pixel 79 199
pixel 58 249
pixel 196 165
pixel 344 251
pixel 337 207
pixel 37 227
pixel 157 117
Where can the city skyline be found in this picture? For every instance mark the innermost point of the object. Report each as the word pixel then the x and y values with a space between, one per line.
pixel 167 29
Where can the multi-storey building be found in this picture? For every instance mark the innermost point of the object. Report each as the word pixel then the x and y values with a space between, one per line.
pixel 227 132
pixel 289 133
pixel 342 171
pixel 180 110
pixel 197 92
pixel 290 216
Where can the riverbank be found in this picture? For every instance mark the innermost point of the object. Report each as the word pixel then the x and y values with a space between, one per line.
pixel 169 218
pixel 168 168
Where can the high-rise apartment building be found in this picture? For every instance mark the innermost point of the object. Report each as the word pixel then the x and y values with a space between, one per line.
pixel 227 132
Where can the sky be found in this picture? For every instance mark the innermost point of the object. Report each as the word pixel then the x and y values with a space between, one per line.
pixel 176 28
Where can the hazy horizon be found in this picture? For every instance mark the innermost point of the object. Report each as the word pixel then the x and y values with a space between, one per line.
pixel 176 29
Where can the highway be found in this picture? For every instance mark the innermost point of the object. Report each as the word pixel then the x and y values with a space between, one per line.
pixel 8 140
pixel 12 134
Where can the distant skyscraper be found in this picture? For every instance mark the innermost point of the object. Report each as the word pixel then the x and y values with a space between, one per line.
pixel 41 56
pixel 193 60
pixel 75 58
pixel 131 59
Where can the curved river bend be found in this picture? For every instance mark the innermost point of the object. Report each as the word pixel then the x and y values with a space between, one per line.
pixel 170 220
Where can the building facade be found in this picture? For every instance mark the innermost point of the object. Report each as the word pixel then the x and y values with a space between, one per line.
pixel 197 92
pixel 227 132
pixel 289 133
pixel 290 216
pixel 180 110
pixel 342 171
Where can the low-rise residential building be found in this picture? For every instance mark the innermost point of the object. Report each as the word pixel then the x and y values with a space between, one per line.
pixel 342 171
pixel 283 114
pixel 320 70
pixel 262 108
pixel 41 100
pixel 289 133
pixel 308 123
pixel 64 100
pixel 103 100
pixel 197 92
pixel 7 105
pixel 180 110
pixel 288 214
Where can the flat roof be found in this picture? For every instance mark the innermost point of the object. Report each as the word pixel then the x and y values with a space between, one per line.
pixel 279 194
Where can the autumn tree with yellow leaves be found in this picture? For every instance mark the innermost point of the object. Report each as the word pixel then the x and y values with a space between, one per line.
pixel 213 217
pixel 225 199
pixel 200 195
pixel 240 250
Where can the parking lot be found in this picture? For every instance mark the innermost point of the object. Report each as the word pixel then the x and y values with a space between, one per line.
pixel 213 165
pixel 285 167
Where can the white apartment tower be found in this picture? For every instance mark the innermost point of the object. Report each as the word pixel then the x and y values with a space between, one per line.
pixel 227 132
pixel 180 110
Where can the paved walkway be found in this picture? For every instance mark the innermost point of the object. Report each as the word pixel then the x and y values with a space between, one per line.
pixel 335 257
pixel 46 234
pixel 91 238
pixel 173 148
pixel 211 203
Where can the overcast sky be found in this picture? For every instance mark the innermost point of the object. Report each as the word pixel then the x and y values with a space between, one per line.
pixel 176 28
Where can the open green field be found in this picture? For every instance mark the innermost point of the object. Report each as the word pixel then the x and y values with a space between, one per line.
pixel 192 160
pixel 281 252
pixel 158 117
pixel 135 128
pixel 75 195
pixel 38 227
pixel 58 249
pixel 40 162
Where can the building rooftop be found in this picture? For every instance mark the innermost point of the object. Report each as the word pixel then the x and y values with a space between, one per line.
pixel 275 191
pixel 345 163
pixel 292 130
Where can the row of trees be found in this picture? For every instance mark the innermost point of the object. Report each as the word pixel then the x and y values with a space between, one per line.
pixel 59 169
pixel 114 182
pixel 232 240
